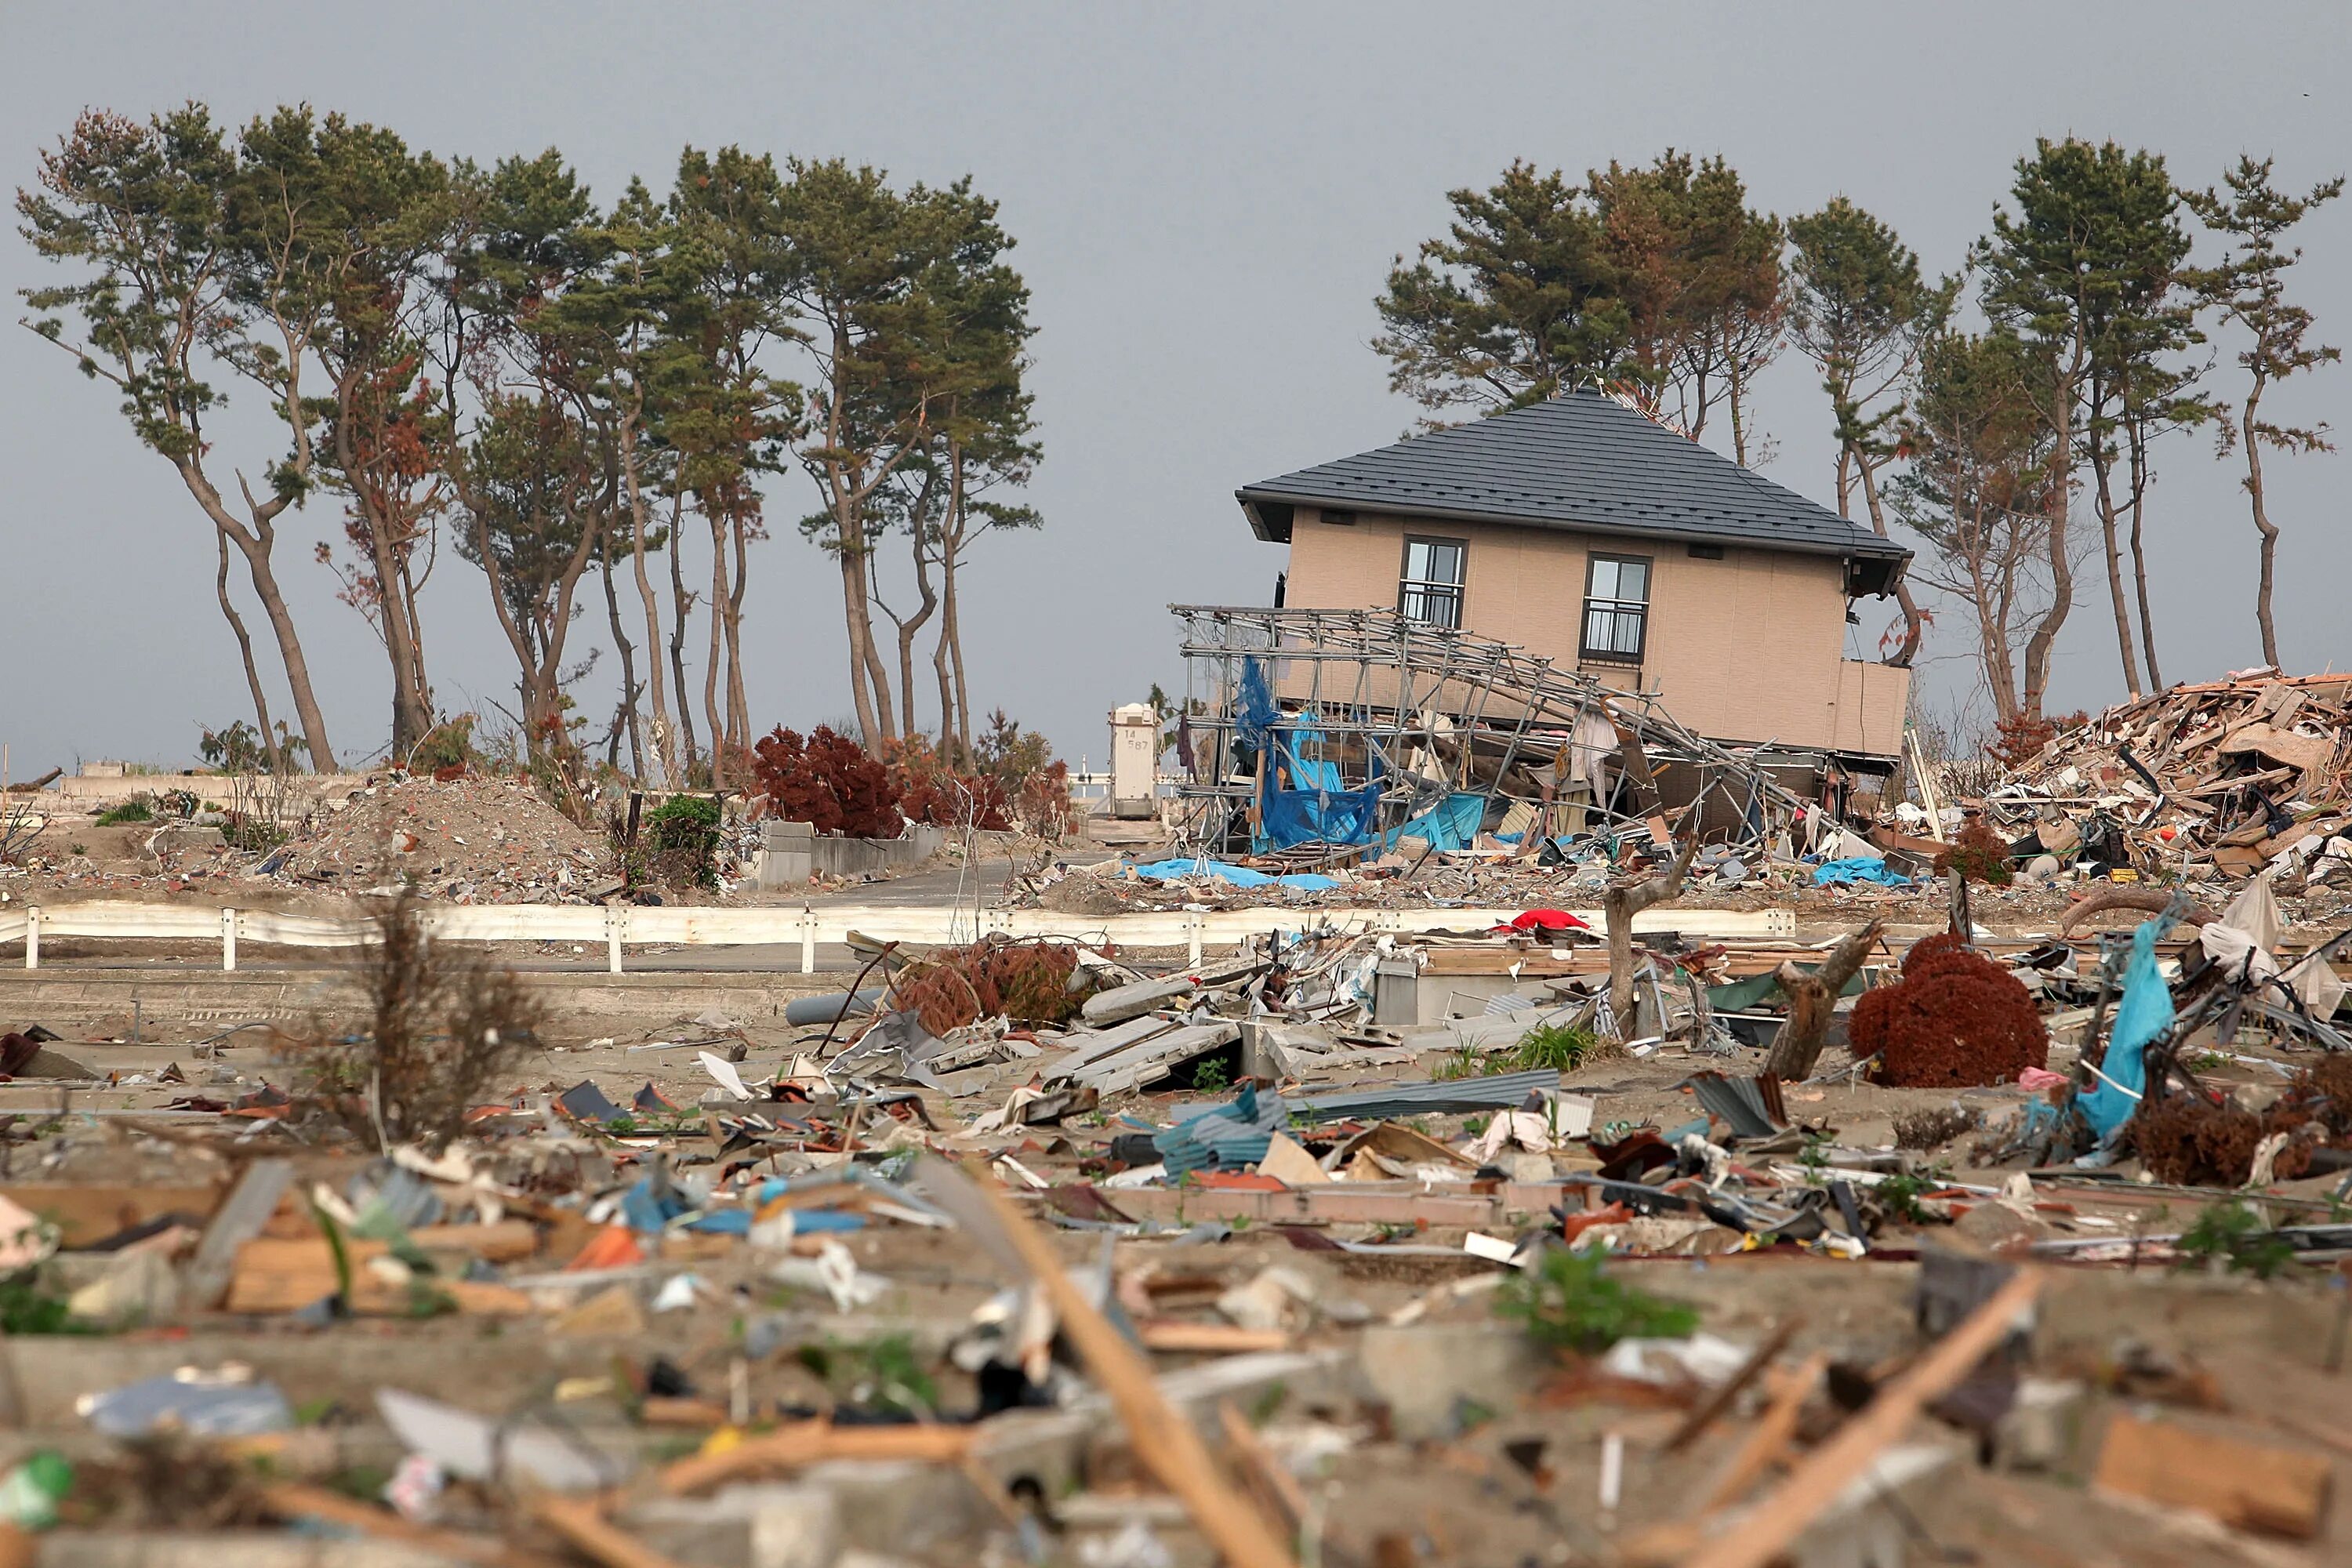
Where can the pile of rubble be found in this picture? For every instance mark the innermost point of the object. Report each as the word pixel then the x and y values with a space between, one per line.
pixel 473 839
pixel 2210 783
pixel 1335 1248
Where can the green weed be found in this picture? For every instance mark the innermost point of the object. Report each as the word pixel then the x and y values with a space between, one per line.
pixel 1569 1302
pixel 878 1374
pixel 1553 1045
pixel 2232 1237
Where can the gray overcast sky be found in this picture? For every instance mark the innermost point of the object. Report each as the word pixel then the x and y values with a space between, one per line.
pixel 1206 200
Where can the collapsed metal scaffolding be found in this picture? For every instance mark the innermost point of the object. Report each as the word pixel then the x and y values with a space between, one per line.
pixel 1374 725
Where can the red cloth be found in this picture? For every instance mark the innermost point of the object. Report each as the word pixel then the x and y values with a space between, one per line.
pixel 1547 920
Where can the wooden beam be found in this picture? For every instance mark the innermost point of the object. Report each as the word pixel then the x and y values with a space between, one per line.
pixel 1717 1403
pixel 581 1524
pixel 1162 1438
pixel 296 1500
pixel 1816 1483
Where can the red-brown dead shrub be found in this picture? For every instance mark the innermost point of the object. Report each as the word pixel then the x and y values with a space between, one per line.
pixel 1979 854
pixel 2186 1140
pixel 2022 737
pixel 829 780
pixel 1955 1019
pixel 931 790
pixel 1027 981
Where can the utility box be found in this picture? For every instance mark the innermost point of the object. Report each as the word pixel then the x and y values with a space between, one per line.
pixel 1134 762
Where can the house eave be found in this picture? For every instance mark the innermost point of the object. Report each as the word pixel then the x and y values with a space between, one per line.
pixel 1270 514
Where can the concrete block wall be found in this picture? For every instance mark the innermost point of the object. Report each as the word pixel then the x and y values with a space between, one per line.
pixel 791 851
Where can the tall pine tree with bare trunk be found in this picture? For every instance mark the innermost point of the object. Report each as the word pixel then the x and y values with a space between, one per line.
pixel 162 306
pixel 1976 489
pixel 1861 312
pixel 2249 287
pixel 340 216
pixel 2086 269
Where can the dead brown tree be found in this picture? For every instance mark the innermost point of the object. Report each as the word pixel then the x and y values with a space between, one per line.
pixel 1812 1001
pixel 1619 906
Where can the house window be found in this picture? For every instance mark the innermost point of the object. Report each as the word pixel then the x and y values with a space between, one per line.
pixel 1432 589
pixel 1616 608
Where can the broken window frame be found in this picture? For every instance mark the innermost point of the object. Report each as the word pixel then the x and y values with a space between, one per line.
pixel 1418 595
pixel 1617 609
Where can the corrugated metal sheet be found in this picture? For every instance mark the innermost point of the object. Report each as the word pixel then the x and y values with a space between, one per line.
pixel 1435 1098
pixel 1228 1137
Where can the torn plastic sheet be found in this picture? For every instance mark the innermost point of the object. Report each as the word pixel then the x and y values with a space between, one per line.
pixel 2145 1013
pixel 1239 876
pixel 1855 869
pixel 1452 824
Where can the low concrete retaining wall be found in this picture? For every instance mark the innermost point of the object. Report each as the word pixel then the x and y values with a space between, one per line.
pixel 96 792
pixel 789 852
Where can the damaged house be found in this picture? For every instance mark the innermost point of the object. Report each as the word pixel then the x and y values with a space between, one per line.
pixel 1592 537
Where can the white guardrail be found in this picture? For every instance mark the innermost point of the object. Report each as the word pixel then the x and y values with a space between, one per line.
pixel 616 926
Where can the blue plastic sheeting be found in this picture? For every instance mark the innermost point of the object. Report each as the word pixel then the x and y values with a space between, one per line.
pixel 1858 869
pixel 1315 808
pixel 1228 1136
pixel 1254 713
pixel 2145 1013
pixel 1328 815
pixel 1239 876
pixel 1303 749
pixel 649 1208
pixel 1451 825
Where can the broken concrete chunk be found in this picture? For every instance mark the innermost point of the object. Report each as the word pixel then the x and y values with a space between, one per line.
pixel 1154 1060
pixel 1127 1001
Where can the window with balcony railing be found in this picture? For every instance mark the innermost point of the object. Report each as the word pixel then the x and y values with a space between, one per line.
pixel 1431 589
pixel 1616 608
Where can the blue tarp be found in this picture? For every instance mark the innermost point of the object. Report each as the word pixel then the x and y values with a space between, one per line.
pixel 1451 825
pixel 2145 1013
pixel 1303 749
pixel 1239 876
pixel 1325 815
pixel 1254 713
pixel 1858 869
pixel 1304 801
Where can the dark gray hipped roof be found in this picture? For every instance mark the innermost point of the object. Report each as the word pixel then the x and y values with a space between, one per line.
pixel 1581 460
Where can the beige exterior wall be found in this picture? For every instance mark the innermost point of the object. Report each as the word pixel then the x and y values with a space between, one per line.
pixel 1749 648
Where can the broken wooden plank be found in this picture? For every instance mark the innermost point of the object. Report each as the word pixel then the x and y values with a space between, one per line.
pixel 86 1214
pixel 1767 1531
pixel 2250 1486
pixel 297 1500
pixel 1769 1438
pixel 581 1524
pixel 1720 1400
pixel 238 1221
pixel 805 1443
pixel 285 1275
pixel 1178 1337
pixel 1166 1442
